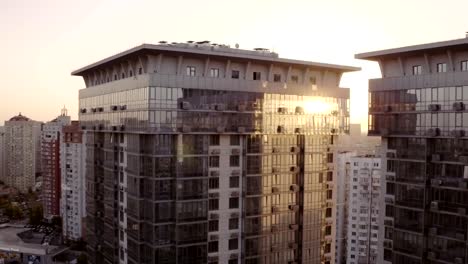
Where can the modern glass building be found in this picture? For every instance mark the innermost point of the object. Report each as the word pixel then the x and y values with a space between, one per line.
pixel 418 107
pixel 201 153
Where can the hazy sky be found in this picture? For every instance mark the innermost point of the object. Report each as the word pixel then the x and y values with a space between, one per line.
pixel 42 41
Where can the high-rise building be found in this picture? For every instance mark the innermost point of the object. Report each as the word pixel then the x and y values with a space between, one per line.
pixel 341 182
pixel 51 170
pixel 73 167
pixel 418 107
pixel 2 155
pixel 22 152
pixel 200 153
pixel 364 197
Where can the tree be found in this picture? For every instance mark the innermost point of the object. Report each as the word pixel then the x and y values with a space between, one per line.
pixel 82 259
pixel 36 215
pixel 57 221
pixel 13 211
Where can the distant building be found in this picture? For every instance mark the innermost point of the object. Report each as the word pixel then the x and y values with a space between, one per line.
pixel 363 242
pixel 51 169
pixel 357 142
pixel 22 152
pixel 2 155
pixel 203 153
pixel 73 167
pixel 341 190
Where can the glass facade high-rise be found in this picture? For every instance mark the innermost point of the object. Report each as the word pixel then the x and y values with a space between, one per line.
pixel 418 107
pixel 200 153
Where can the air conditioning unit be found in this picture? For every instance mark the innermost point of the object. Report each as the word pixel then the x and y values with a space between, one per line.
pixel 281 129
pixel 433 231
pixel 241 108
pixel 214 237
pixel 463 184
pixel 135 227
pixel 461 211
pixel 255 106
pixel 458 260
pixel 123 107
pixel 436 157
pixel 333 130
pixel 433 132
pixel 282 110
pixel 274 247
pixel 387 108
pixel 241 129
pixel 292 245
pixel 233 256
pixel 122 127
pixel 295 169
pixel 114 128
pixel 275 170
pixel 214 216
pixel 220 129
pixel 299 110
pixel 215 151
pixel 100 109
pixel 83 110
pixel 391 155
pixel 274 228
pixel 389 200
pixel 458 133
pixel 294 188
pixel 275 150
pixel 185 105
pixel 235 151
pixel 463 159
pixel 384 132
pixel 295 149
pixel 275 190
pixel 114 108
pixel 298 130
pixel 235 173
pixel 294 207
pixel 435 205
pixel 436 182
pixel 434 107
pixel 93 110
pixel 275 209
pixel 235 194
pixel 213 195
pixel 214 173
pixel 213 259
pixel 234 235
pixel 100 127
pixel 294 227
pixel 432 255
pixel 460 236
pixel 186 129
pixel 220 107
pixel 235 215
pixel 458 106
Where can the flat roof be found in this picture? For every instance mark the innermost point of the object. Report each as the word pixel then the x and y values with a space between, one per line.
pixel 11 242
pixel 223 52
pixel 414 49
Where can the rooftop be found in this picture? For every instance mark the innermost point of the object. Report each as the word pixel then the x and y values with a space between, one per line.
pixel 414 49
pixel 204 48
pixel 11 242
pixel 19 117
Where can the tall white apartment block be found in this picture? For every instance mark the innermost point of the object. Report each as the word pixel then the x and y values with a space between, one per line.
pixel 341 190
pixel 363 213
pixel 73 161
pixel 22 142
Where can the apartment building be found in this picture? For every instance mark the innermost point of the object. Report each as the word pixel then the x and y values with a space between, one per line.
pixel 363 210
pixel 51 164
pixel 2 154
pixel 22 152
pixel 202 153
pixel 73 188
pixel 418 107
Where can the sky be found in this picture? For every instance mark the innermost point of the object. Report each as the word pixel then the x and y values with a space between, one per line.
pixel 42 42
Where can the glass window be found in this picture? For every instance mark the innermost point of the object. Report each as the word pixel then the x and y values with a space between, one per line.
pixel 213 225
pixel 313 80
pixel 235 140
pixel 214 183
pixel 234 161
pixel 295 79
pixel 214 161
pixel 417 70
pixel 214 140
pixel 441 67
pixel 277 77
pixel 233 202
pixel 233 244
pixel 212 246
pixel 190 71
pixel 214 72
pixel 257 76
pixel 464 65
pixel 233 182
pixel 213 204
pixel 233 223
pixel 235 74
